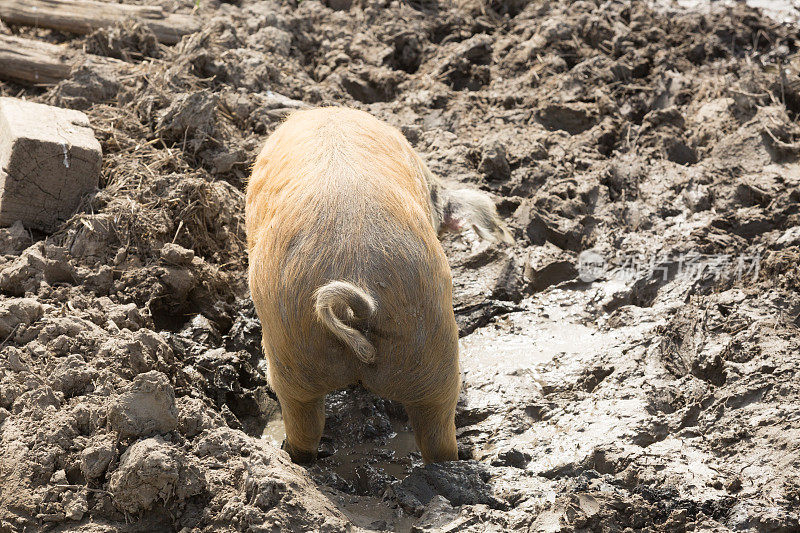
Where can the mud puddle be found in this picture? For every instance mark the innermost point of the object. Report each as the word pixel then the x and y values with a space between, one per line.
pixel 274 431
pixel 361 472
pixel 393 458
pixel 375 514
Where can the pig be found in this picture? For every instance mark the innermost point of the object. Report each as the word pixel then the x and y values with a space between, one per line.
pixel 348 276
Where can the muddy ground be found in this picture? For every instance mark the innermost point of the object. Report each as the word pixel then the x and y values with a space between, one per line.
pixel 659 392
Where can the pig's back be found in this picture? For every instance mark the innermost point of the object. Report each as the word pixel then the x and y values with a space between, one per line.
pixel 338 195
pixel 336 163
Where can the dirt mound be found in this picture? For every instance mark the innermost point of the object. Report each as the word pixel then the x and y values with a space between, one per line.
pixel 657 390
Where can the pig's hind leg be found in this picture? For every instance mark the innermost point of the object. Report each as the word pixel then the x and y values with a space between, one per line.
pixel 304 422
pixel 427 383
pixel 303 412
pixel 435 429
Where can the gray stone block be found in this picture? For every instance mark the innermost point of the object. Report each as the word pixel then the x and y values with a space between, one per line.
pixel 49 159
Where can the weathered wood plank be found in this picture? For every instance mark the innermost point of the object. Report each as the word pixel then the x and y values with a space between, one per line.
pixel 34 62
pixel 85 16
pixel 50 160
pixel 37 63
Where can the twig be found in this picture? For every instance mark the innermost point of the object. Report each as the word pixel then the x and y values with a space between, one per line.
pixel 81 487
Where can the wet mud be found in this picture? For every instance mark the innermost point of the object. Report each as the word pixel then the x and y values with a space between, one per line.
pixel 651 385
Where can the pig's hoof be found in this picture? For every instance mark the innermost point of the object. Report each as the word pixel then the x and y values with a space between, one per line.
pixel 297 455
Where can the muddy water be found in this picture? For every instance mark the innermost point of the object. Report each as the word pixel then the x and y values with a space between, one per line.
pixel 357 464
pixel 395 453
pixel 274 431
pixel 392 458
pixel 374 514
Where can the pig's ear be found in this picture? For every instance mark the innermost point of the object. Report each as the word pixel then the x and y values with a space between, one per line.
pixel 465 208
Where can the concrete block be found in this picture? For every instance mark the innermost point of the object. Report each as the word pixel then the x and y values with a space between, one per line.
pixel 49 159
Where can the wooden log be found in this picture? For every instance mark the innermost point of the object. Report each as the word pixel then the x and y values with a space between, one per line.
pixel 50 160
pixel 34 62
pixel 37 63
pixel 85 16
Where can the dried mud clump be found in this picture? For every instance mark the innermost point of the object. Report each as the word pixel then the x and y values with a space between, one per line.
pixel 129 41
pixel 147 408
pixel 657 391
